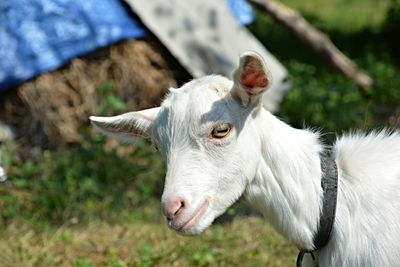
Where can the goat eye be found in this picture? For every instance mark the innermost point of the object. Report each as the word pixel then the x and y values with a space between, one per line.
pixel 221 130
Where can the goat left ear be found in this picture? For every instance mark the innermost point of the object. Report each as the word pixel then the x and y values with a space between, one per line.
pixel 251 79
pixel 128 126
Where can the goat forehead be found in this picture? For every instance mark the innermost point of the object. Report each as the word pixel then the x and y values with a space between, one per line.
pixel 216 83
pixel 196 98
pixel 187 108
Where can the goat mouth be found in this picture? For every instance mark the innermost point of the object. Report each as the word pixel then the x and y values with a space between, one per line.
pixel 193 220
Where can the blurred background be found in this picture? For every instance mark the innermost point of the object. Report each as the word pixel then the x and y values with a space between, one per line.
pixel 71 197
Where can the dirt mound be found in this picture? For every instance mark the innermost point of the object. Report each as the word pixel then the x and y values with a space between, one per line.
pixel 50 110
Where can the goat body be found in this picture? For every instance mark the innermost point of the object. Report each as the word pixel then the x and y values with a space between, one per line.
pixel 219 143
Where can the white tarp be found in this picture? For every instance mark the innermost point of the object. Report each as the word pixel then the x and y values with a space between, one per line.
pixel 6 133
pixel 206 39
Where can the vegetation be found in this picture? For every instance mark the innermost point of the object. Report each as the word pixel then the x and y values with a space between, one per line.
pixel 98 204
pixel 245 241
pixel 324 99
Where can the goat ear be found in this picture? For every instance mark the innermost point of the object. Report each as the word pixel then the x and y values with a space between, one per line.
pixel 251 79
pixel 127 126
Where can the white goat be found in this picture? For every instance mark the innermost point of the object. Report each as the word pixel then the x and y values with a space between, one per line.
pixel 220 143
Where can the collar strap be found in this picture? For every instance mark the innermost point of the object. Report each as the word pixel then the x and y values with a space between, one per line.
pixel 329 184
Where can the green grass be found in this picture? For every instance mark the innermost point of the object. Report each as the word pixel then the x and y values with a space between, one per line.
pixel 322 98
pixel 98 177
pixel 243 242
pixel 344 15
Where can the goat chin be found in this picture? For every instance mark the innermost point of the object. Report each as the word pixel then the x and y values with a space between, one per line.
pixel 201 225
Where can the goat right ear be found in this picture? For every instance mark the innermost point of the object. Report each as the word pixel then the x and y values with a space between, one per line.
pixel 251 79
pixel 127 126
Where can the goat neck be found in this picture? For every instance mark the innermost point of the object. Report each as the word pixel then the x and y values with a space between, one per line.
pixel 287 186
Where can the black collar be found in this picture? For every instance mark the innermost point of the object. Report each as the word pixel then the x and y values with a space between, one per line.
pixel 329 183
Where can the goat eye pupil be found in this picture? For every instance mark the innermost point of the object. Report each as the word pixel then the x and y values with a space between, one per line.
pixel 220 131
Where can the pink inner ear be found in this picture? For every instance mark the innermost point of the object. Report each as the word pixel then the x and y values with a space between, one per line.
pixel 254 80
pixel 253 74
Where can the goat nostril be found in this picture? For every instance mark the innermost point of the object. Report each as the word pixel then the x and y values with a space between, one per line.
pixel 180 208
pixel 174 207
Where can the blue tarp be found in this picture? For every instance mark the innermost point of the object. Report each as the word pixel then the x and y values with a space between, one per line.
pixel 41 35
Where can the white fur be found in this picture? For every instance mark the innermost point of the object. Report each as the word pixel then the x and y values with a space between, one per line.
pixel 277 167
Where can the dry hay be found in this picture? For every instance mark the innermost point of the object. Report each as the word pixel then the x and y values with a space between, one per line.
pixel 50 110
